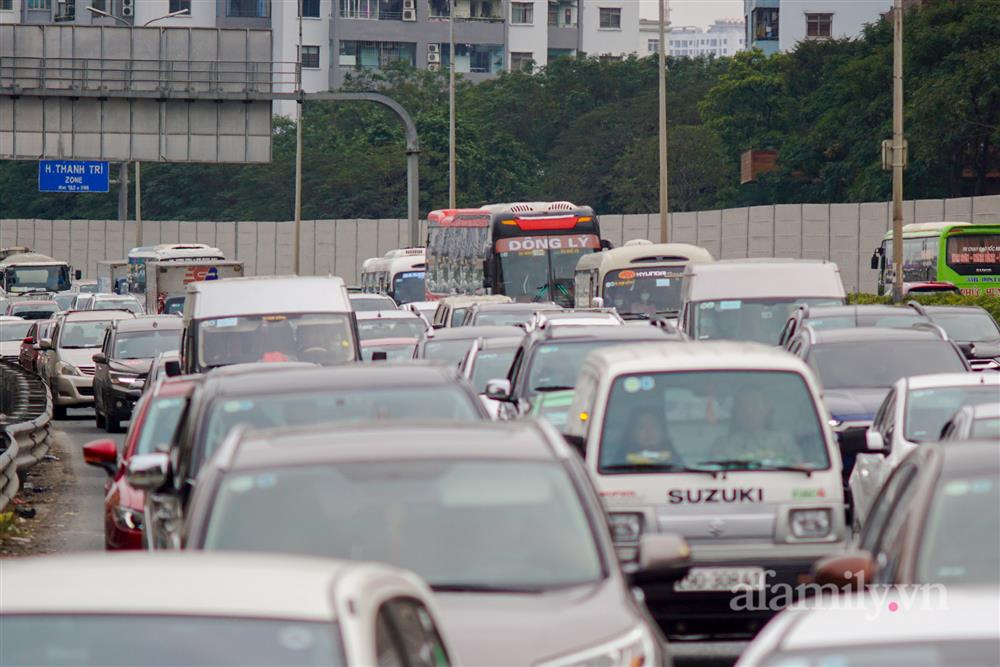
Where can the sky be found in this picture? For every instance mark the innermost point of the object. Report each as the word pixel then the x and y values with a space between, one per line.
pixel 694 12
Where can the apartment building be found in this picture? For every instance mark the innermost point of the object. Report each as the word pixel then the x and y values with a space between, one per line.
pixel 778 25
pixel 725 37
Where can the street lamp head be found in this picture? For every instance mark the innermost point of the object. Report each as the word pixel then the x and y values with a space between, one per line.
pixel 100 12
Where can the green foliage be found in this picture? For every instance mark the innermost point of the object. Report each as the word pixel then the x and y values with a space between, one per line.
pixel 584 129
pixel 990 304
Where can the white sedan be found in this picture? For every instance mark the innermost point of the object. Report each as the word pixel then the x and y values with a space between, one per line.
pixel 214 609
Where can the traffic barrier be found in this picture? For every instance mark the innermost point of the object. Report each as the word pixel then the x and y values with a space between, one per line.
pixel 25 416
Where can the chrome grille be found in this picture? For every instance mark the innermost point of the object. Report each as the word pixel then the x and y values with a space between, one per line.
pixel 86 370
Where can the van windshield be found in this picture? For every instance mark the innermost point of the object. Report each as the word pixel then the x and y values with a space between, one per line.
pixel 716 420
pixel 646 291
pixel 318 338
pixel 757 320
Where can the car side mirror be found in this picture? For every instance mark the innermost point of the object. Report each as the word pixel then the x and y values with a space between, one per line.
pixel 45 344
pixel 985 350
pixel 850 571
pixel 103 454
pixel 380 355
pixel 147 472
pixel 172 368
pixel 875 442
pixel 498 390
pixel 100 358
pixel 577 442
pixel 875 261
pixel 663 557
pixel 597 302
pixel 607 245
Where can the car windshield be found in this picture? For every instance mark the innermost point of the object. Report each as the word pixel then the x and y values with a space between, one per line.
pixel 503 318
pixel 391 327
pixel 644 291
pixel 146 344
pixel 555 366
pixel 457 523
pixel 393 351
pixel 491 364
pixel 87 288
pixel 386 403
pixel 34 311
pixel 664 422
pixel 12 330
pixel 911 653
pixel 409 286
pixel 131 305
pixel 449 351
pixel 928 410
pixel 961 544
pixel 902 320
pixel 64 301
pixel 148 640
pixel 364 304
pixel 317 338
pixel 458 316
pixel 879 363
pixel 759 320
pixel 83 334
pixel 971 326
pixel 37 279
pixel 159 424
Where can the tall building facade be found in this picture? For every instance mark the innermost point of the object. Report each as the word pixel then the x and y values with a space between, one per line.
pixel 725 37
pixel 778 25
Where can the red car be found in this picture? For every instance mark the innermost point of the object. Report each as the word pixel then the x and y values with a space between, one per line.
pixel 28 354
pixel 153 423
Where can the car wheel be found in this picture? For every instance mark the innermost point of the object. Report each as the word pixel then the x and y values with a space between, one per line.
pixel 98 417
pixel 59 412
pixel 112 424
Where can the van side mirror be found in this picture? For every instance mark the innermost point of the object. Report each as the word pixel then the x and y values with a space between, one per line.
pixel 100 358
pixel 875 442
pixel 663 557
pixel 45 344
pixel 498 390
pixel 607 245
pixel 147 471
pixel 172 367
pixel 78 274
pixel 985 350
pixel 875 261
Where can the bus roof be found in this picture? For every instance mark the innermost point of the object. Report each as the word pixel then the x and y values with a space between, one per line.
pixel 926 228
pixel 176 251
pixel 647 253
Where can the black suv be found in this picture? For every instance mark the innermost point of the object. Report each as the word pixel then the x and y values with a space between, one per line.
pixel 972 328
pixel 121 367
pixel 828 318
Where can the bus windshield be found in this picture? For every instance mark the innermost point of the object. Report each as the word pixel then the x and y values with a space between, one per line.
pixel 408 286
pixel 920 258
pixel 644 291
pixel 54 278
pixel 541 268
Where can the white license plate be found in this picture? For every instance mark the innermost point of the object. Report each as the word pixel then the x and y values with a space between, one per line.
pixel 720 579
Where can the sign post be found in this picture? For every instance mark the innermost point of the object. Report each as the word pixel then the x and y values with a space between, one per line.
pixel 72 176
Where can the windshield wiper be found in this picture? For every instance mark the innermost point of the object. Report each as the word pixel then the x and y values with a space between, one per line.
pixel 634 316
pixel 78 347
pixel 484 588
pixel 653 467
pixel 551 387
pixel 738 464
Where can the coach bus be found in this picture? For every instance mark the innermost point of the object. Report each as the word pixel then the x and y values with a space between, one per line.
pixel 527 251
pixel 954 253
pixel 400 274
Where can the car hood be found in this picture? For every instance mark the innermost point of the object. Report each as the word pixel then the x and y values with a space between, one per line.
pixel 80 357
pixel 489 629
pixel 140 366
pixel 854 404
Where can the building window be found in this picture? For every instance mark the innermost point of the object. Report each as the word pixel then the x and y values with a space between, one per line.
pixel 554 54
pixel 553 15
pixel 248 8
pixel 179 5
pixel 310 8
pixel 376 55
pixel 521 61
pixel 653 45
pixel 765 23
pixel 384 10
pixel 7 5
pixel 310 57
pixel 611 18
pixel 819 26
pixel 474 58
pixel 38 4
pixel 522 13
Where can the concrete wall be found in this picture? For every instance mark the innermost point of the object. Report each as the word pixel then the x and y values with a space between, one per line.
pixel 844 233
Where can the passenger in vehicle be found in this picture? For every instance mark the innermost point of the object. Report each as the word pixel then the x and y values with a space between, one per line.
pixel 751 436
pixel 647 440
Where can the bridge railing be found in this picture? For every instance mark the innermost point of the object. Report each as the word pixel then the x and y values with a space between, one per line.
pixel 25 416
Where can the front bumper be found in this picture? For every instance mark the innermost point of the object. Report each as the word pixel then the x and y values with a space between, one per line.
pixel 122 399
pixel 741 614
pixel 73 390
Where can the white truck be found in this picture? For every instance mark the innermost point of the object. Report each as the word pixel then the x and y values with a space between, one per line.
pixel 166 282
pixel 112 276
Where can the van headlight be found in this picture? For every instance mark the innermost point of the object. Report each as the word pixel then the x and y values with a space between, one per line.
pixel 635 649
pixel 810 524
pixel 626 529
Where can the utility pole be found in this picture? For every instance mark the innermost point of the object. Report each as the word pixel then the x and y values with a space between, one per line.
pixel 297 254
pixel 138 203
pixel 664 187
pixel 123 192
pixel 451 104
pixel 897 152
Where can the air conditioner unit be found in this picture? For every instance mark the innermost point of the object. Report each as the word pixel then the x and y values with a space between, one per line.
pixel 434 57
pixel 433 67
pixel 409 14
pixel 409 4
pixel 433 48
pixel 127 8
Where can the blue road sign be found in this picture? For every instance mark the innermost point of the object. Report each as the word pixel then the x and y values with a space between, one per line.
pixel 72 176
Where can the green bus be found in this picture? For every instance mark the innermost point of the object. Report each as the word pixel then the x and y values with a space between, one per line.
pixel 938 255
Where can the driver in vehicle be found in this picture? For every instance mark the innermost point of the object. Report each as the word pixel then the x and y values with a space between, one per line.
pixel 752 438
pixel 647 441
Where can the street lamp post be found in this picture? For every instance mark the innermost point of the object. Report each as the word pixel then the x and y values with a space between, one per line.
pixel 451 105
pixel 662 78
pixel 897 152
pixel 138 168
pixel 298 154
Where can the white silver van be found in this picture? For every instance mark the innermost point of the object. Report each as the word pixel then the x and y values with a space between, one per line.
pixel 726 444
pixel 273 318
pixel 751 299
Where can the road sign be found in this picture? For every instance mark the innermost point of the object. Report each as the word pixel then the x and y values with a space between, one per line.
pixel 72 176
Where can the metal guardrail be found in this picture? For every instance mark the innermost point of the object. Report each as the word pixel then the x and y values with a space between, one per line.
pixel 25 416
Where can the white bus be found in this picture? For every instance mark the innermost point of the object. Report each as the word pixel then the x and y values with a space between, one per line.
pixel 400 274
pixel 138 257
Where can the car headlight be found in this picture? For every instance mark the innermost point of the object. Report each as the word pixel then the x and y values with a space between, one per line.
pixel 128 517
pixel 66 368
pixel 635 649
pixel 626 529
pixel 125 379
pixel 810 524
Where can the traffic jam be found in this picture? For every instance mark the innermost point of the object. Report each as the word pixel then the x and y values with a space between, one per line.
pixel 520 445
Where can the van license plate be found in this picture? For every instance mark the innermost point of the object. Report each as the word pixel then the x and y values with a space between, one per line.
pixel 720 579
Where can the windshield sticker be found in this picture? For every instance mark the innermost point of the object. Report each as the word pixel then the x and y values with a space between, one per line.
pixel 663 282
pixel 266 481
pixel 707 306
pixel 632 385
pixel 225 322
pixel 237 406
pixel 295 638
pixel 710 496
pixel 730 305
pixel 648 383
pixel 241 484
pixel 956 488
